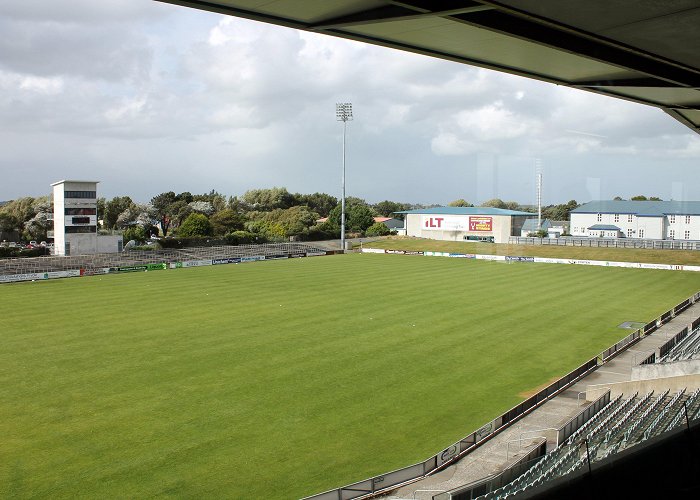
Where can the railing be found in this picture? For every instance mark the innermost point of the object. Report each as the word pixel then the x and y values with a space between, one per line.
pixel 620 346
pixel 584 416
pixel 663 350
pixel 606 242
pixel 486 485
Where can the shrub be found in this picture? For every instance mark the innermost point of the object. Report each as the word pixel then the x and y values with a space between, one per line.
pixel 195 225
pixel 377 229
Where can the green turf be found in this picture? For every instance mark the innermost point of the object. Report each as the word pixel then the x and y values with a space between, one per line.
pixel 281 379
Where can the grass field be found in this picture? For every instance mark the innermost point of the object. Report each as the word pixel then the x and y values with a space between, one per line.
pixel 281 379
pixel 676 257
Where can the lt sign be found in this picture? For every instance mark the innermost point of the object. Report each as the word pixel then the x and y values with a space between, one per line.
pixel 444 223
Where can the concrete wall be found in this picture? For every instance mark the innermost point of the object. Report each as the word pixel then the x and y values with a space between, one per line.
pixel 109 244
pixel 661 370
pixel 689 382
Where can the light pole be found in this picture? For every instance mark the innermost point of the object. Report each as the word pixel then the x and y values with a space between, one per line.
pixel 343 113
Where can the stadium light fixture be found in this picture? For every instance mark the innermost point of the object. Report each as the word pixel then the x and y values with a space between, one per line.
pixel 343 113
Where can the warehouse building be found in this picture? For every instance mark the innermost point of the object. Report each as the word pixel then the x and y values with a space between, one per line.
pixel 657 220
pixel 464 223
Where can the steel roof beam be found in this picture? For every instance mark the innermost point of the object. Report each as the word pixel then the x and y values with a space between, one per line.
pixel 528 30
pixel 394 12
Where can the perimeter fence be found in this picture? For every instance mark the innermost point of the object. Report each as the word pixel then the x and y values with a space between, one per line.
pixel 570 241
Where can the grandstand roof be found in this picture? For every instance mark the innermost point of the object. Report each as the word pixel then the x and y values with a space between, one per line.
pixel 636 50
pixel 464 211
pixel 640 208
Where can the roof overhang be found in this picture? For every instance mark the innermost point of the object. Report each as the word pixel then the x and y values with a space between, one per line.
pixel 645 52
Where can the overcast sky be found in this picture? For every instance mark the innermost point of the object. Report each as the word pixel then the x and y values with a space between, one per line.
pixel 149 97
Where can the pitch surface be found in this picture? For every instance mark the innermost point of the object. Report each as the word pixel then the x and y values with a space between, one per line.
pixel 282 379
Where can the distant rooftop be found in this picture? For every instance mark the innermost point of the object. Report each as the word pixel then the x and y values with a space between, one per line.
pixel 74 180
pixel 642 208
pixel 464 211
pixel 531 224
pixel 604 227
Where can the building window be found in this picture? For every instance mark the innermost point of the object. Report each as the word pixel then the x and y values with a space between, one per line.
pixel 629 218
pixel 81 211
pixel 671 234
pixel 641 233
pixel 672 219
pixel 600 217
pixel 687 235
pixel 81 194
pixel 629 233
pixel 617 217
pixel 80 220
pixel 687 219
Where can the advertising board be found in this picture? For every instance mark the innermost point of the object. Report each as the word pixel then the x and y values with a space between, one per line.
pixel 481 224
pixel 444 223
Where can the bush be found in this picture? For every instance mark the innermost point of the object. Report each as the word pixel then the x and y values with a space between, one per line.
pixel 6 252
pixel 243 238
pixel 136 233
pixel 377 229
pixel 195 225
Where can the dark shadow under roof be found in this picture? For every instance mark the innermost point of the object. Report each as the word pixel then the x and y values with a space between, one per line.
pixel 642 51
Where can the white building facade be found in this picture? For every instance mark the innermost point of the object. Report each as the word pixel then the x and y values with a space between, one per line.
pixel 465 223
pixel 656 220
pixel 75 220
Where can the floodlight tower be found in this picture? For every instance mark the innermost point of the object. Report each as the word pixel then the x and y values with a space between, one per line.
pixel 343 113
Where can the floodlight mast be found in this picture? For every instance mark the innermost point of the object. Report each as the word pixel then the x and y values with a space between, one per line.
pixel 343 113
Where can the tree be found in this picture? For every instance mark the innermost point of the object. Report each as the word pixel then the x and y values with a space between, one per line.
pixel 162 204
pixel 180 209
pixel 36 227
pixel 264 200
pixel 387 208
pixel 321 203
pixel 459 203
pixel 618 198
pixel 8 222
pixel 377 229
pixel 101 209
pixel 641 197
pixel 135 233
pixel 21 210
pixel 360 217
pixel 202 207
pixel 113 208
pixel 195 225
pixel 559 212
pixel 494 203
pixel 137 215
pixel 226 221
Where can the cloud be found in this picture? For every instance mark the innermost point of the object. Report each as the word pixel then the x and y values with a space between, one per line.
pixel 197 100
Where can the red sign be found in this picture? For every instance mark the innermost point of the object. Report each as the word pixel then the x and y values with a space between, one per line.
pixel 480 223
pixel 434 222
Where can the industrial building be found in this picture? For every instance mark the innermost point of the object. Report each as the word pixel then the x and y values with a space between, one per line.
pixel 465 223
pixel 658 220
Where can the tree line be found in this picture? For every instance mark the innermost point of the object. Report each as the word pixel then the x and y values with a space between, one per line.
pixel 259 215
